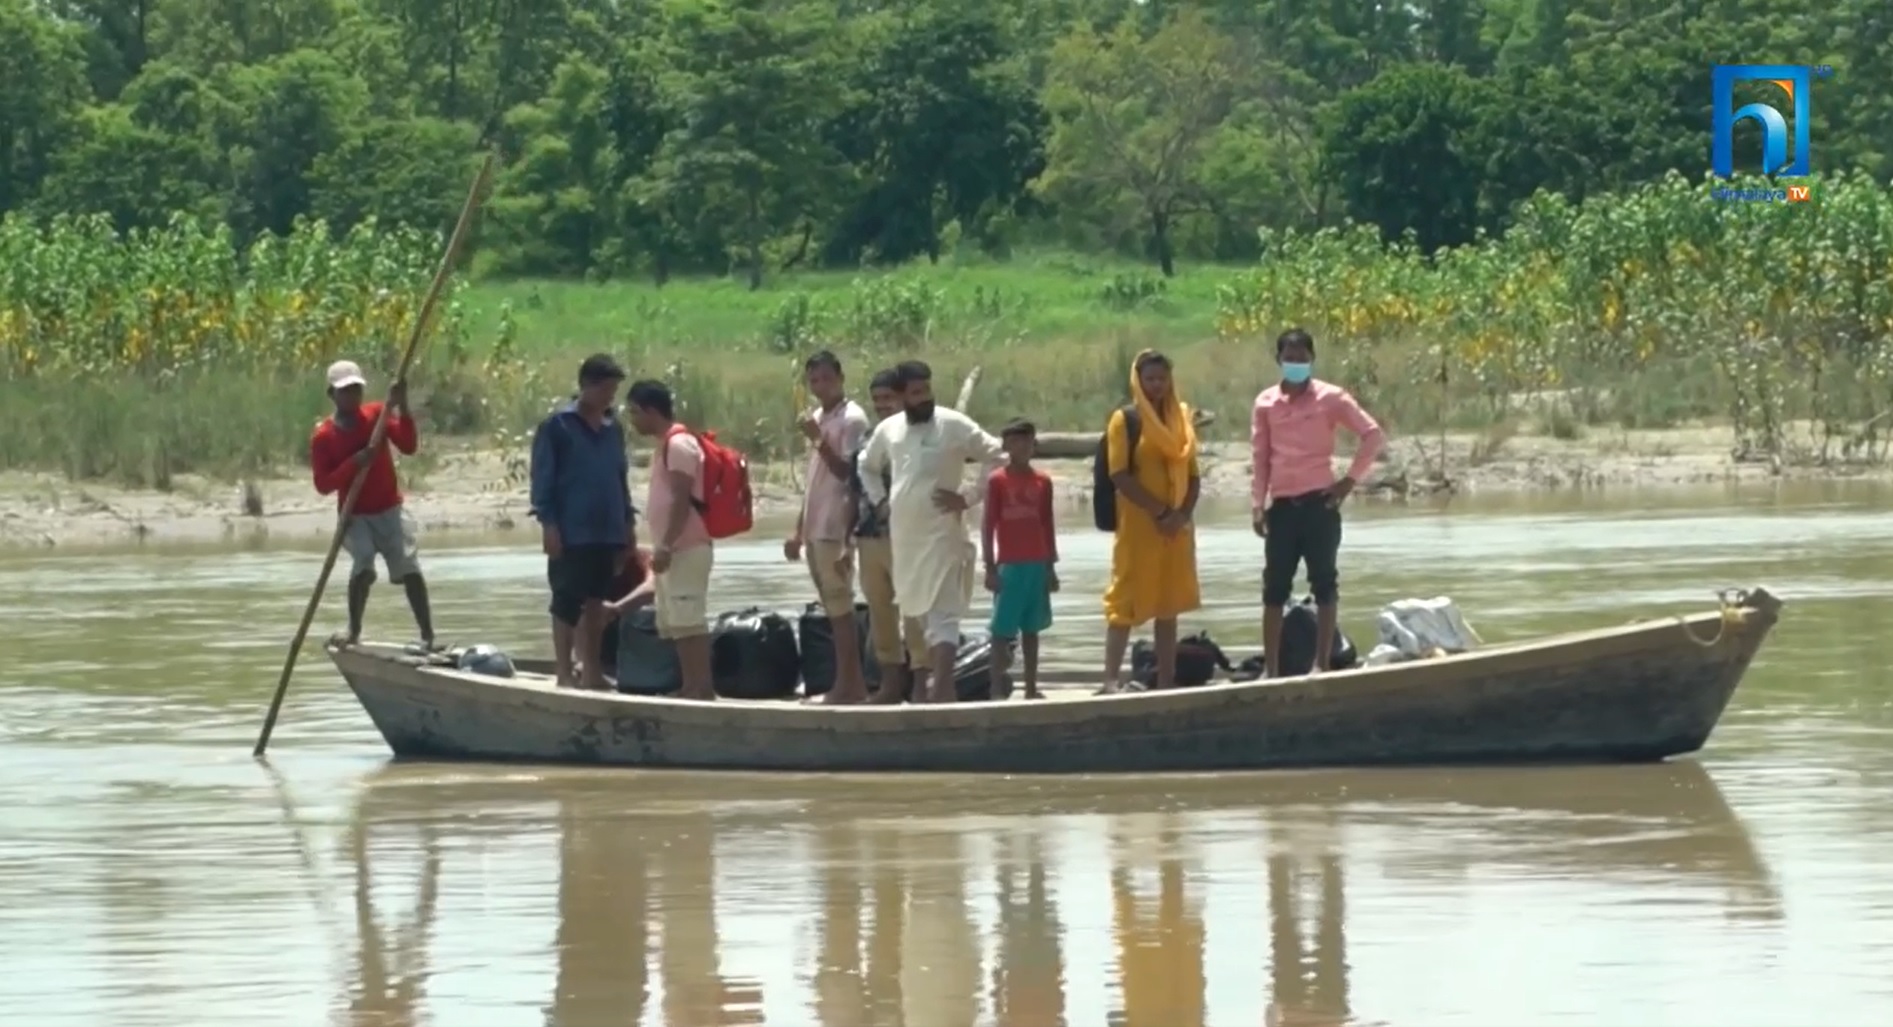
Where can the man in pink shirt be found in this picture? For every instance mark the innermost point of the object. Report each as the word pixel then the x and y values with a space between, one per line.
pixel 824 531
pixel 681 553
pixel 1295 498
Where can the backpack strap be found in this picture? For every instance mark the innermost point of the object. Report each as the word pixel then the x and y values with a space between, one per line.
pixel 1133 428
pixel 663 444
pixel 663 453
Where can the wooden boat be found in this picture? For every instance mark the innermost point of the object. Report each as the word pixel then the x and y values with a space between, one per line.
pixel 1644 691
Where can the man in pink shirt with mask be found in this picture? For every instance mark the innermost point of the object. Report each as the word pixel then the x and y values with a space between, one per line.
pixel 1295 498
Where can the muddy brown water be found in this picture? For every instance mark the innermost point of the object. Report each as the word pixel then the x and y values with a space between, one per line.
pixel 152 873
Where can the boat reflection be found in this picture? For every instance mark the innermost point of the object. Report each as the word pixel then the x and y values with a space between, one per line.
pixel 899 876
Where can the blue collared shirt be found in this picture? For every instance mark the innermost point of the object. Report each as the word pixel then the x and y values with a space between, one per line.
pixel 581 479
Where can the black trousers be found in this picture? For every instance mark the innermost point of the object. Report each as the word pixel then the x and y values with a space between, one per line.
pixel 579 575
pixel 1302 530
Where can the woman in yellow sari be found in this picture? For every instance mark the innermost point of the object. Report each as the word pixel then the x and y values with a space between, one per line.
pixel 1153 561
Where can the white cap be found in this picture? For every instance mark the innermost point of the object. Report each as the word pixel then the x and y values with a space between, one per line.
pixel 344 373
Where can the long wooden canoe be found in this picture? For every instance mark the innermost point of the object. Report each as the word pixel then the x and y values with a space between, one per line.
pixel 1644 691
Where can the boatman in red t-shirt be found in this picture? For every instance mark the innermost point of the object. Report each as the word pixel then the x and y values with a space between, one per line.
pixel 380 524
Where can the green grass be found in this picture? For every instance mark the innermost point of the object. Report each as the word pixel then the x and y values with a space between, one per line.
pixel 960 304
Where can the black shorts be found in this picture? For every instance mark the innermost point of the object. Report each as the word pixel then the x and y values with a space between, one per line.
pixel 580 575
pixel 1302 529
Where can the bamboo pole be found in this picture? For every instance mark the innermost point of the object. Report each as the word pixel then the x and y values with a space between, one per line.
pixel 966 389
pixel 377 439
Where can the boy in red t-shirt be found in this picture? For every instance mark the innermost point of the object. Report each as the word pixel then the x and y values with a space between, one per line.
pixel 1022 574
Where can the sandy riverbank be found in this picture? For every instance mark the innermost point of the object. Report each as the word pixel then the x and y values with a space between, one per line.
pixel 468 489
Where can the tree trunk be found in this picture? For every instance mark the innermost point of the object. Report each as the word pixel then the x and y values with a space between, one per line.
pixel 754 231
pixel 1160 241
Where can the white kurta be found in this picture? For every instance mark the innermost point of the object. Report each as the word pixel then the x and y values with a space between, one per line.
pixel 932 573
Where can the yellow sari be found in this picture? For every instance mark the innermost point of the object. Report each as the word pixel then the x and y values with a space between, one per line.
pixel 1153 577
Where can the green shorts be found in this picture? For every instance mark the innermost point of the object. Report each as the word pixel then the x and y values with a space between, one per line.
pixel 1024 603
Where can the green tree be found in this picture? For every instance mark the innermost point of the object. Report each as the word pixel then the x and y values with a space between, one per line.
pixel 1400 149
pixel 286 113
pixel 943 126
pixel 42 92
pixel 753 87
pixel 1133 117
pixel 408 171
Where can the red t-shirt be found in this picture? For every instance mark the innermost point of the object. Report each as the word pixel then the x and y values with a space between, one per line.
pixel 1019 517
pixel 332 452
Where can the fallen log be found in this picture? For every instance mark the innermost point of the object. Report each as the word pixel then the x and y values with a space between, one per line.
pixel 1052 445
pixel 1073 445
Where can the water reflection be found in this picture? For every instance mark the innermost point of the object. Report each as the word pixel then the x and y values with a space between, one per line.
pixel 386 985
pixel 1160 942
pixel 931 906
pixel 841 998
pixel 695 988
pixel 604 918
pixel 940 974
pixel 1308 969
pixel 1028 978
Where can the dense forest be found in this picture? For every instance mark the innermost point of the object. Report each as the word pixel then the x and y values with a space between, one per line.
pixel 667 137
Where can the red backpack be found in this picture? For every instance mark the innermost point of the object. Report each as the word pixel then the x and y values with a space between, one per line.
pixel 728 507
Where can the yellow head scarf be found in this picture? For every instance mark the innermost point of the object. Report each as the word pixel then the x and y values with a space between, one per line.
pixel 1171 432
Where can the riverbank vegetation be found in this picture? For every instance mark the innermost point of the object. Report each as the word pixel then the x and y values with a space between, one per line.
pixel 205 201
pixel 146 355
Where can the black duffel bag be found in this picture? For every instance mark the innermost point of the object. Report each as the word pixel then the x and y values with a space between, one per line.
pixel 972 671
pixel 647 664
pixel 753 655
pixel 1198 660
pixel 1300 627
pixel 817 644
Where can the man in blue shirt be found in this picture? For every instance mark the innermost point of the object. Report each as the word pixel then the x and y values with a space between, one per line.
pixel 581 497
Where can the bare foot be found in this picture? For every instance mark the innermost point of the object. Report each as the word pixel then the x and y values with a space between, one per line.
pixel 709 696
pixel 936 694
pixel 1033 693
pixel 1109 688
pixel 886 695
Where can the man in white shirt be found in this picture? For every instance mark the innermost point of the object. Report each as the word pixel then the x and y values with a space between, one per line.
pixel 927 451
pixel 824 530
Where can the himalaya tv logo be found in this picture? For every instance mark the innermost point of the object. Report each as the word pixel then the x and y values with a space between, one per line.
pixel 1780 155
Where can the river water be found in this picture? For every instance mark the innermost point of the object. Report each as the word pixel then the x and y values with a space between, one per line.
pixel 152 873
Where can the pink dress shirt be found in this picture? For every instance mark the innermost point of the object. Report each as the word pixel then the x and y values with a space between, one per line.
pixel 1292 437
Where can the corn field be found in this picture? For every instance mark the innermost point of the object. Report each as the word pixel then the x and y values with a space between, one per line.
pixel 77 297
pixel 1646 308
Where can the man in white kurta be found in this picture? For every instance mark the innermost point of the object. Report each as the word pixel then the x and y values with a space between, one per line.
pixel 927 452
